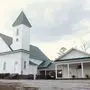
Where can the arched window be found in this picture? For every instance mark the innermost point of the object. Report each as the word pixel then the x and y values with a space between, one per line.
pixel 15 67
pixel 17 32
pixel 4 65
pixel 24 64
pixel 17 39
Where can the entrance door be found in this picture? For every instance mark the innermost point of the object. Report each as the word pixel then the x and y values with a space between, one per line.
pixel 79 73
pixel 59 73
pixel 16 67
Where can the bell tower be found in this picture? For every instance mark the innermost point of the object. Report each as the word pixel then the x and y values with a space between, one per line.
pixel 21 33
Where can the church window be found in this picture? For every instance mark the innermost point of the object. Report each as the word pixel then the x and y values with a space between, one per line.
pixel 4 65
pixel 24 64
pixel 15 66
pixel 17 32
pixel 16 39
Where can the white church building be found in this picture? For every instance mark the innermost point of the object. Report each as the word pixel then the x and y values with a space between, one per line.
pixel 16 53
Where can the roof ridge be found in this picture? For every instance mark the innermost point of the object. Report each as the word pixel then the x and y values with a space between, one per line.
pixel 70 51
pixel 72 59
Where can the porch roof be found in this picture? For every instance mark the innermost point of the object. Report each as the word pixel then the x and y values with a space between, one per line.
pixel 51 66
pixel 82 58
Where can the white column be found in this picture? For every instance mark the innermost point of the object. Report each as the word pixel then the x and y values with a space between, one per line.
pixel 68 69
pixel 56 71
pixel 82 69
pixel 45 73
pixel 34 76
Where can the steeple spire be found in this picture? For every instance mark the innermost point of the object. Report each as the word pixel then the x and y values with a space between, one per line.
pixel 22 19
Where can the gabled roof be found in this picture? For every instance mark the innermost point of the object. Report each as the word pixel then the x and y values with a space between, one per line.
pixel 74 59
pixel 7 39
pixel 44 64
pixel 50 66
pixel 22 19
pixel 72 50
pixel 36 53
pixel 69 51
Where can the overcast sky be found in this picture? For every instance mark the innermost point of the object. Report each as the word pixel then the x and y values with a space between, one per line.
pixel 55 23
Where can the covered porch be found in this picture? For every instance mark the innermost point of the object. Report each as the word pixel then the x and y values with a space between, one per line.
pixel 72 69
pixel 47 72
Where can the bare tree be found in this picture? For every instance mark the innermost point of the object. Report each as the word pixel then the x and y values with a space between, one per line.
pixel 62 51
pixel 84 46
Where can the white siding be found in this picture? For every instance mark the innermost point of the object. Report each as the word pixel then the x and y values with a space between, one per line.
pixel 25 57
pixel 19 59
pixel 33 69
pixel 23 38
pixel 26 38
pixel 10 63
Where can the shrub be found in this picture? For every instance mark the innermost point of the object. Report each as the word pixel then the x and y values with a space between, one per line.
pixel 87 76
pixel 73 76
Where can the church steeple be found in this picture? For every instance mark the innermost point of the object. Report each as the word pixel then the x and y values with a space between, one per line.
pixel 21 33
pixel 22 19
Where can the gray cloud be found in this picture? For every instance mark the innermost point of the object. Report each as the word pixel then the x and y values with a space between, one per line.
pixel 59 22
